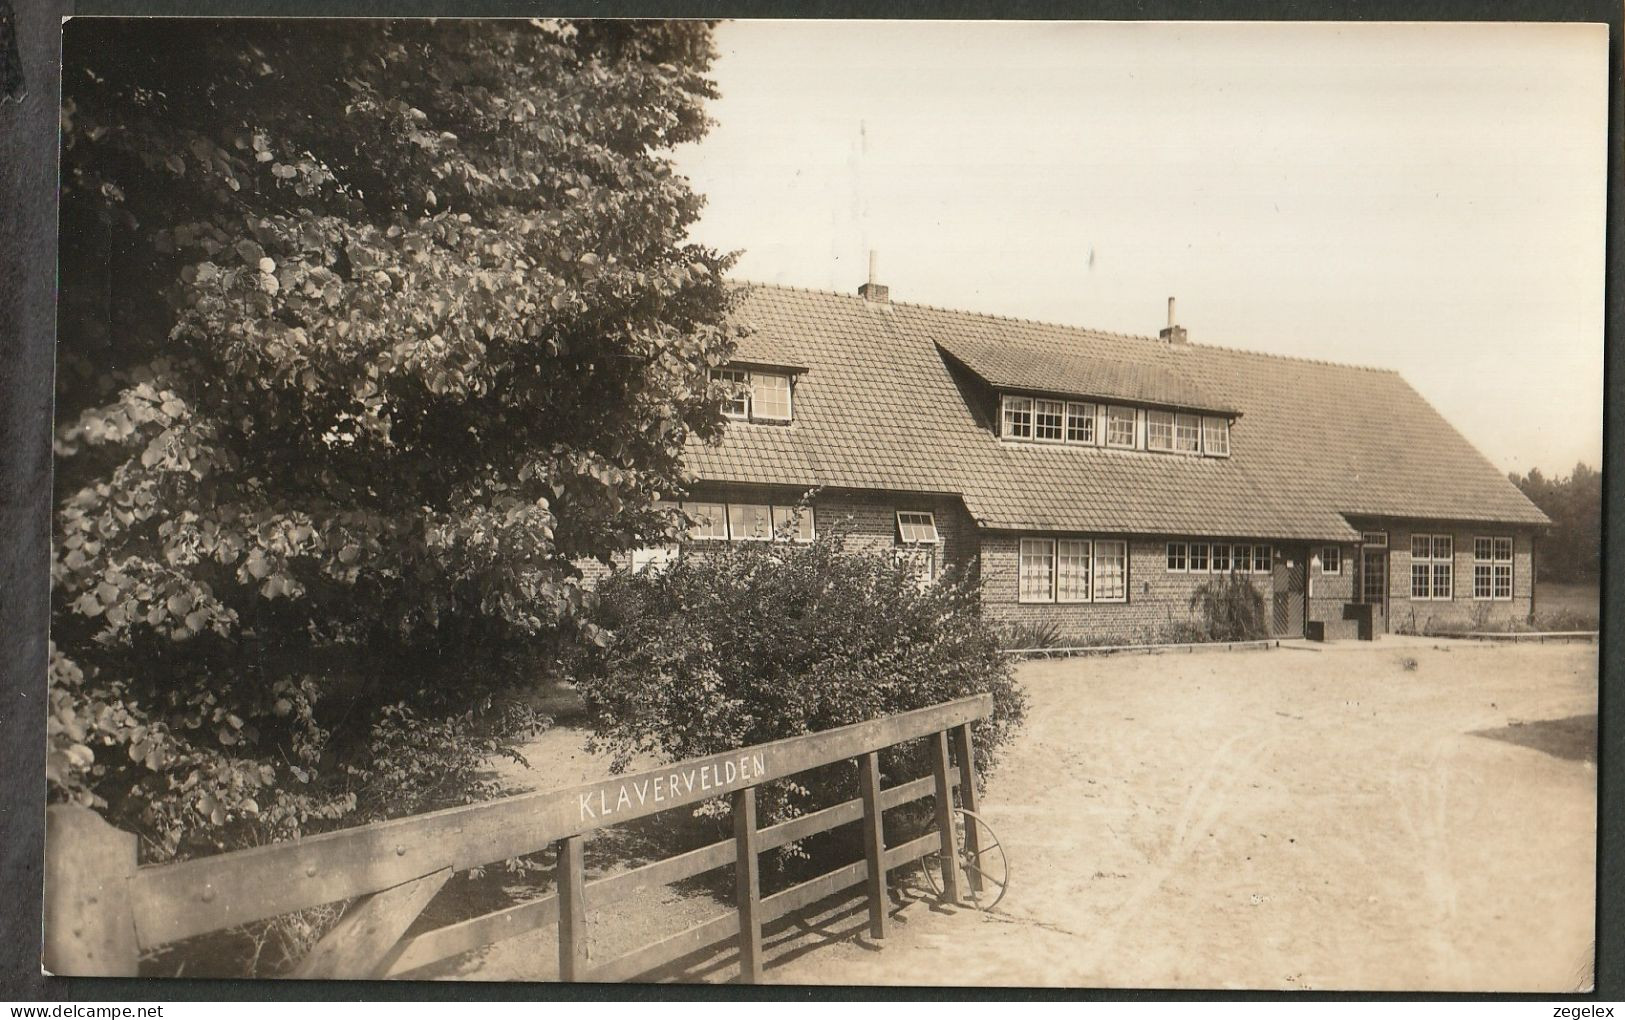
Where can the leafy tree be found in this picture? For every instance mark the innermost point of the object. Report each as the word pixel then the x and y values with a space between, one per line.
pixel 1572 549
pixel 368 329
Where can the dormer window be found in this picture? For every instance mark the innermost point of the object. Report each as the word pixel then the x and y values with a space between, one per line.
pixel 755 395
pixel 1080 423
pixel 1018 417
pixel 1117 426
pixel 1216 437
pixel 1120 427
pixel 1188 433
pixel 1159 430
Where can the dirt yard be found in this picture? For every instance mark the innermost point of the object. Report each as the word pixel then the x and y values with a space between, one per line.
pixel 1411 815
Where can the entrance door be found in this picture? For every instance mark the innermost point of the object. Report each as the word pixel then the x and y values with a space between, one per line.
pixel 1374 582
pixel 1290 572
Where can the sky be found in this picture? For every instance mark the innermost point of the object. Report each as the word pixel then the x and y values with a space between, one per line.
pixel 1426 198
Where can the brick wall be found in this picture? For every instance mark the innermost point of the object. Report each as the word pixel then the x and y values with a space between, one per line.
pixel 1462 611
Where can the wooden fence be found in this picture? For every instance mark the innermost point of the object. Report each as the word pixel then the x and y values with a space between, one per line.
pixel 102 911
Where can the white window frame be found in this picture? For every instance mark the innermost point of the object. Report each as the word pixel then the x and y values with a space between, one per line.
pixel 1095 572
pixel 1191 424
pixel 740 379
pixel 1262 553
pixel 782 516
pixel 733 536
pixel 1087 414
pixel 652 558
pixel 917 527
pixel 1183 557
pixel 756 412
pixel 1155 420
pixel 1335 558
pixel 704 511
pixel 1074 550
pixel 1433 563
pixel 1055 409
pixel 1206 557
pixel 1493 567
pixel 1374 539
pixel 1223 426
pixel 1229 558
pixel 1041 548
pixel 1134 428
pixel 1010 406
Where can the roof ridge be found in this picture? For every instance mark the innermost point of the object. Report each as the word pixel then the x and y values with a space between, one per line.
pixel 1107 333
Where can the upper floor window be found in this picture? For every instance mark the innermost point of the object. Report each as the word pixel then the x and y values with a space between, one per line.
pixel 1159 430
pixel 1120 427
pixel 1216 437
pixel 1080 423
pixel 1047 420
pixel 1018 417
pixel 1188 433
pixel 755 395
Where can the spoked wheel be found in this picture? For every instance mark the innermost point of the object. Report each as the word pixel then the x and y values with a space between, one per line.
pixel 984 871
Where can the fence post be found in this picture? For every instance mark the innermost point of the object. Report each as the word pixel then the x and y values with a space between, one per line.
pixel 968 800
pixel 748 890
pixel 572 882
pixel 945 817
pixel 874 841
pixel 89 924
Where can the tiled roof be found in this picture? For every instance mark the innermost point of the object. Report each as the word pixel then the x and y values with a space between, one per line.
pixel 881 407
pixel 1156 378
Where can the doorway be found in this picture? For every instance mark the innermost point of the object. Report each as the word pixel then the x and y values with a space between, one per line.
pixel 1291 571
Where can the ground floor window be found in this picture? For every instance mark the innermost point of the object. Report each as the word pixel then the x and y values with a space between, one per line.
pixel 748 522
pixel 1199 557
pixel 1072 570
pixel 1492 568
pixel 1261 559
pixel 1331 560
pixel 1432 568
pixel 1177 557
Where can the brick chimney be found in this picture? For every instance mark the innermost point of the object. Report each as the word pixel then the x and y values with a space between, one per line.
pixel 873 291
pixel 1172 333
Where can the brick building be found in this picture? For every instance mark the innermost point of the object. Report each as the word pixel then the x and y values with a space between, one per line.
pixel 1096 479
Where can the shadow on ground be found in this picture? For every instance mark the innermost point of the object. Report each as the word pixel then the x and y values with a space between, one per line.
pixel 1573 738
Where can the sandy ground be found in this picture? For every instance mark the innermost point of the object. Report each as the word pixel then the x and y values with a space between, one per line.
pixel 1290 819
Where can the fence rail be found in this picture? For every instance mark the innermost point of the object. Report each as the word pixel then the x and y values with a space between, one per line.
pixel 102 910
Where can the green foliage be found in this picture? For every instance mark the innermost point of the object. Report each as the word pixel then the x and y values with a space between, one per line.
pixel 367 329
pixel 1229 608
pixel 1572 548
pixel 756 642
pixel 1031 634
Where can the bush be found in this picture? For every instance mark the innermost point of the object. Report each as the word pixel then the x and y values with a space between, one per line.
pixel 1031 634
pixel 757 642
pixel 1229 609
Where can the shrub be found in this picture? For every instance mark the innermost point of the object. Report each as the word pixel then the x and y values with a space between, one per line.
pixel 1031 634
pixel 1229 609
pixel 757 642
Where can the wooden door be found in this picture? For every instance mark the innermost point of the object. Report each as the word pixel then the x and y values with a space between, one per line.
pixel 1291 570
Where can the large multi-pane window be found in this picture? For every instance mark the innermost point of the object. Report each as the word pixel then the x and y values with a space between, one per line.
pixel 1037 570
pixel 1111 572
pixel 1159 430
pixel 1120 427
pixel 755 395
pixel 1492 568
pixel 1080 423
pixel 748 522
pixel 1432 568
pixel 1047 417
pixel 1072 570
pixel 1018 417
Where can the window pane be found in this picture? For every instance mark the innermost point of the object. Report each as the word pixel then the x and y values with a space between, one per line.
pixel 1159 430
pixel 1111 571
pixel 750 521
pixel 1261 559
pixel 1419 581
pixel 1421 547
pixel 737 403
pixel 1503 580
pixel 1188 433
pixel 797 521
pixel 1080 423
pixel 1442 580
pixel 1216 437
pixel 1120 426
pixel 1198 556
pixel 1176 556
pixel 1072 570
pixel 709 520
pixel 770 395
pixel 1047 416
pixel 1037 570
pixel 1018 417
